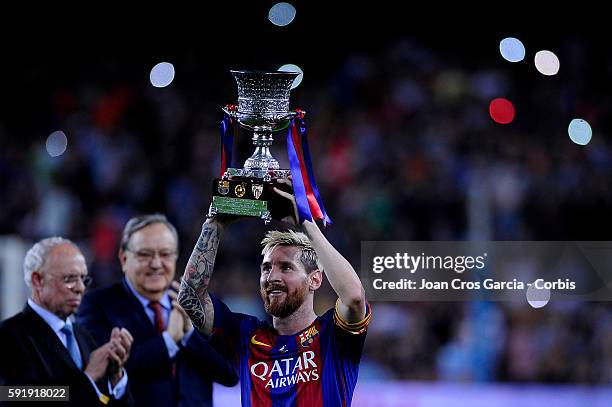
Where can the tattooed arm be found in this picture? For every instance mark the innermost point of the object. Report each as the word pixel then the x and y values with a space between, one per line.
pixel 193 295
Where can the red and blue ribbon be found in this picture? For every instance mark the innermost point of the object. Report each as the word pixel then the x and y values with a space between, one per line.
pixel 307 197
pixel 227 142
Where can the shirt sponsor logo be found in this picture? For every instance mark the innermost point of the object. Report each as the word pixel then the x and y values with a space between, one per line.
pixel 287 372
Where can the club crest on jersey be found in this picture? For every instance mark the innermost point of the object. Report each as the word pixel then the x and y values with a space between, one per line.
pixel 307 337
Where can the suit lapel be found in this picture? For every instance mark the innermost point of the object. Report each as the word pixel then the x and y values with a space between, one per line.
pixel 46 338
pixel 140 319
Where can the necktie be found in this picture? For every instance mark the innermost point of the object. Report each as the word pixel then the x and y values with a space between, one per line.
pixel 72 346
pixel 159 326
pixel 158 318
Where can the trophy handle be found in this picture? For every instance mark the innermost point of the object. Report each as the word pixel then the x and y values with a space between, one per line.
pixel 230 110
pixel 256 122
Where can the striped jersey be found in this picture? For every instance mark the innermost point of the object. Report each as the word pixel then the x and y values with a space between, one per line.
pixel 317 366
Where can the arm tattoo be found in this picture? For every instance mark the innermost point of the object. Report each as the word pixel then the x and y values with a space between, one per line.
pixel 192 305
pixel 193 295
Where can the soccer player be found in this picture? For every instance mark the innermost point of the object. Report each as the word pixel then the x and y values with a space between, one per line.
pixel 301 359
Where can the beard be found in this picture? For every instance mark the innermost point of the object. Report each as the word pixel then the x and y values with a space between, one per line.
pixel 282 308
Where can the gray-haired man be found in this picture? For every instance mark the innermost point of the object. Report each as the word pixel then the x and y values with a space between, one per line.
pixel 43 346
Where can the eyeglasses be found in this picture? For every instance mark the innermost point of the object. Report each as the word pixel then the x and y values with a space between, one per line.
pixel 146 256
pixel 72 280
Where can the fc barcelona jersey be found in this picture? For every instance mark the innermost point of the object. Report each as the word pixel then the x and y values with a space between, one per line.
pixel 315 367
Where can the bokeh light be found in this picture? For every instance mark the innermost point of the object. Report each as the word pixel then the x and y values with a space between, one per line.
pixel 162 74
pixel 580 132
pixel 281 14
pixel 537 297
pixel 501 110
pixel 293 68
pixel 547 63
pixel 512 49
pixel 56 143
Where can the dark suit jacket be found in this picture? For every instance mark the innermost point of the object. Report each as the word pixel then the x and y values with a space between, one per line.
pixel 149 366
pixel 31 354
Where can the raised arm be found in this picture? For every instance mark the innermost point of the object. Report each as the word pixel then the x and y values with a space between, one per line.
pixel 341 275
pixel 193 295
pixel 339 272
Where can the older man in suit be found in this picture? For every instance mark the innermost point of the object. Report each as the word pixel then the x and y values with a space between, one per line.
pixel 168 365
pixel 43 346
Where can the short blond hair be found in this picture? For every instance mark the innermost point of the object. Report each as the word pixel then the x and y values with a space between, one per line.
pixel 308 255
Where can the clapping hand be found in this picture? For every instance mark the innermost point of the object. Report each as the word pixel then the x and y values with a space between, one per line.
pixel 110 357
pixel 120 345
pixel 179 323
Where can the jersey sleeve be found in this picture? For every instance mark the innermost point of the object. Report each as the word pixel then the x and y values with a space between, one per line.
pixel 350 337
pixel 225 337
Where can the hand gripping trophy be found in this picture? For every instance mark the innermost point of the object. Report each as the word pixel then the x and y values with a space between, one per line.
pixel 263 108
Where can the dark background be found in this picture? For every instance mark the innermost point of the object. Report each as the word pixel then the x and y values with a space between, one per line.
pixel 403 146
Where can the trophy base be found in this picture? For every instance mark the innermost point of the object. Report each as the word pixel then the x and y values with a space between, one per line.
pixel 248 196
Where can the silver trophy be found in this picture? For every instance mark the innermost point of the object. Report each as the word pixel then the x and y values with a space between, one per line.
pixel 263 108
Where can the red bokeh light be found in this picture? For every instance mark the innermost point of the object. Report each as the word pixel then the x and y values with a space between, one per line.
pixel 501 110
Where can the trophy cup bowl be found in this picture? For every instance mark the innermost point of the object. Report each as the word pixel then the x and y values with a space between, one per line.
pixel 263 108
pixel 263 100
